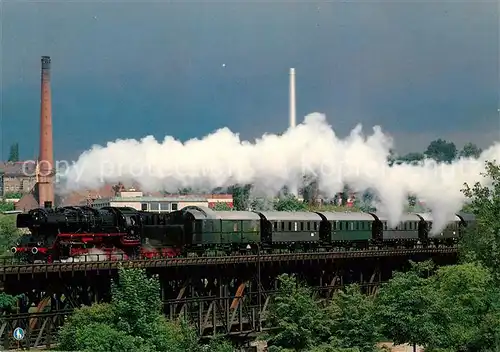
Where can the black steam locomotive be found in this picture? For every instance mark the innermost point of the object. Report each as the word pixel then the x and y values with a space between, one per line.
pixel 126 233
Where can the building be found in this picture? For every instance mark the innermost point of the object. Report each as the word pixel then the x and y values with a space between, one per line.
pixel 136 199
pixel 17 177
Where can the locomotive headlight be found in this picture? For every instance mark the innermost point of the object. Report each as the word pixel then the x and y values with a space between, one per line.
pixel 34 250
pixel 13 250
pixel 39 244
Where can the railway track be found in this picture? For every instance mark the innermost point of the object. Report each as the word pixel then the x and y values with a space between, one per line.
pixel 12 268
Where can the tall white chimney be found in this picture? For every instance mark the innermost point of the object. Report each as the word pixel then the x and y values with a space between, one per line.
pixel 292 98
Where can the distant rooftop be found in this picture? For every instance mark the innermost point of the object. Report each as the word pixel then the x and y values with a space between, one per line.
pixel 186 198
pixel 19 168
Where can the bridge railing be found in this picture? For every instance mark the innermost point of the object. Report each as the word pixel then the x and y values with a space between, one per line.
pixel 120 257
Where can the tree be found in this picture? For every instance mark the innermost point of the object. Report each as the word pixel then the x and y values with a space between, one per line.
pixel 185 190
pixel 9 232
pixel 221 206
pixel 7 206
pixel 470 150
pixel 441 151
pixel 8 302
pixel 13 195
pixel 406 307
pixel 300 323
pixel 303 325
pixel 353 322
pixel 410 158
pixel 240 196
pixel 469 303
pixel 481 243
pixel 262 204
pixel 290 203
pixel 14 152
pixel 133 321
pixel 310 190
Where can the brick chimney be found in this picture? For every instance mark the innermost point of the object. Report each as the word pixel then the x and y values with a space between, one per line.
pixel 46 158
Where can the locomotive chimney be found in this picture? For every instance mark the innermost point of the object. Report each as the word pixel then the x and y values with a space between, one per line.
pixel 46 157
pixel 292 98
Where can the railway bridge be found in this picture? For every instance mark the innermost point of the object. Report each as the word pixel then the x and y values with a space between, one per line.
pixel 219 295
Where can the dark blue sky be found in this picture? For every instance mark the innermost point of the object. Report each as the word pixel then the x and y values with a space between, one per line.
pixel 125 70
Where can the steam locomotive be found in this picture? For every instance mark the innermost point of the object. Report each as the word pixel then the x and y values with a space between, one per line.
pixel 70 232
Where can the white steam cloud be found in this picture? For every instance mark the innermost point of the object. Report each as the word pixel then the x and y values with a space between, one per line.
pixel 221 159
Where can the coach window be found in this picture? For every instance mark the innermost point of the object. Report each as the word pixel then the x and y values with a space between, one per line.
pixel 301 226
pixel 275 226
pixel 308 226
pixel 144 206
pixel 295 226
pixel 175 206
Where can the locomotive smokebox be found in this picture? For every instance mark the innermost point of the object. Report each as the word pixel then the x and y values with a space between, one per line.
pixel 46 158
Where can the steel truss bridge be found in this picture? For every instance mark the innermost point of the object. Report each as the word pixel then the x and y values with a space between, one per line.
pixel 219 295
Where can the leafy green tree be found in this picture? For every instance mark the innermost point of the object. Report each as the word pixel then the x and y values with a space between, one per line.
pixel 353 322
pixel 14 152
pixel 15 195
pixel 9 232
pixel 8 303
pixel 482 242
pixel 7 206
pixel 470 150
pixel 92 329
pixel 300 323
pixel 221 206
pixel 261 204
pixel 186 190
pixel 410 158
pixel 241 196
pixel 133 321
pixel 469 304
pixel 441 151
pixel 290 203
pixel 310 190
pixel 406 307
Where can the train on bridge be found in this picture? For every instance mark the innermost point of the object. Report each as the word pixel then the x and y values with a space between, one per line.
pixel 64 233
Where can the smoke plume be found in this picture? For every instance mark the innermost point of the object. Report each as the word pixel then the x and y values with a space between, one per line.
pixel 221 159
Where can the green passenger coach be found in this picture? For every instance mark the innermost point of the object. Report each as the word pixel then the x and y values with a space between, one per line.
pixel 347 228
pixel 283 227
pixel 238 227
pixel 208 228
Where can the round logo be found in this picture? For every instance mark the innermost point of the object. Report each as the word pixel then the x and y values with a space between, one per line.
pixel 18 334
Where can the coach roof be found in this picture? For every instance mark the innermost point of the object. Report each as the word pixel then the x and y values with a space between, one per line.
pixel 290 216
